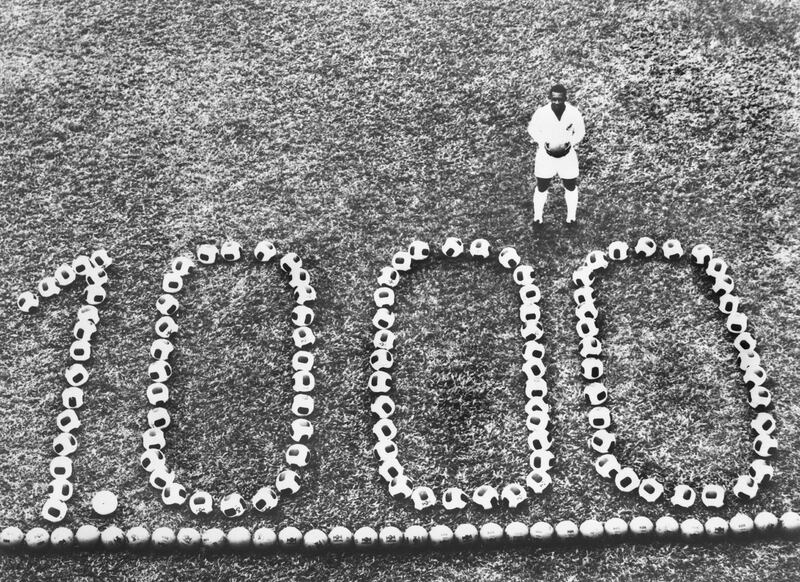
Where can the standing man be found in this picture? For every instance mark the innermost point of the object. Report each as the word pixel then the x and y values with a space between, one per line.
pixel 556 128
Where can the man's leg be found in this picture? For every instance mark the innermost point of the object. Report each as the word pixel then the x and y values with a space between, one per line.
pixel 571 197
pixel 540 198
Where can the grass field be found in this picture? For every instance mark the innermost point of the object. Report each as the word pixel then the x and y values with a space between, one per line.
pixel 343 131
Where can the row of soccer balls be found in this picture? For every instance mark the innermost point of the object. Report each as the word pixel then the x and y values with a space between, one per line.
pixel 297 454
pixel 380 382
pixel 596 394
pixel 139 538
pixel 60 489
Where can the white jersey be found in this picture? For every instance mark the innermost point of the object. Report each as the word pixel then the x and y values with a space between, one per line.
pixel 545 127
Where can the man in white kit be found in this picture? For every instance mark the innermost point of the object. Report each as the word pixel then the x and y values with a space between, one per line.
pixel 556 128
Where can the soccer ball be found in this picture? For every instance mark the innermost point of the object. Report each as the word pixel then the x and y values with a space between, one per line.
pixel 723 284
pixel 80 351
pixel 383 297
pixel 383 319
pixel 159 371
pixel 596 260
pixel 172 283
pixel 72 398
pixel 302 361
pixel 713 496
pixel 365 538
pixel 539 440
pixel 744 342
pixel 385 450
pixel 304 294
pixel 466 534
pixel 583 295
pixel 207 254
pixel 452 247
pixel 381 359
pixel 380 382
pixel 513 496
pixel 542 532
pixel 289 262
pixel 683 496
pixel 153 439
pixel 645 247
pixel 161 477
pixel 702 254
pixel 287 482
pixel 231 250
pixel 340 537
pixel 64 275
pixel 76 375
pixel 716 268
pixel 535 388
pixel 692 529
pixel 137 537
pixel 188 538
pixel 531 329
pixel 595 393
pixel 162 538
pixel 303 381
pixel 60 488
pixel 607 466
pixel 745 488
pixel 161 349
pixel 213 538
pixel 182 265
pixel 491 533
pixel 763 423
pixel 157 393
pixel 538 481
pixel 389 277
pixel 523 275
pixel 534 368
pixel 517 532
pixel 486 496
pixel 87 536
pixel 96 276
pixel 265 251
pixel 401 261
pixel 152 459
pixel 232 505
pixel 62 538
pixel 48 287
pixel 509 258
pixel 84 330
pixel 759 398
pixel 736 322
pixel 174 494
pixel 627 480
pixel 592 368
pixel 416 536
pixel 586 310
pixel 297 455
pixel 591 529
pixel 567 530
pixel 54 510
pixel 64 444
pixel 167 305
pixel 166 326
pixel 303 337
pixel 533 349
pixel 599 417
pixel 602 441
pixel 641 526
pixel 384 338
pixel 441 535
pixel 754 376
pixel 265 499
pixel 741 524
pixel 419 250
pixel 313 540
pixel 454 498
pixel 239 538
pixel 539 422
pixel 67 421
pixel 765 522
pixel 672 250
pixel 529 312
pixel 479 248
pixel 27 302
pixel 616 527
pixel 82 264
pixel 586 328
pixel 530 293
pixel 728 303
pixel 264 538
pixel 765 446
pixel 790 522
pixel 618 250
pixel 158 417
pixel 302 405
pixel 383 406
pixel 201 503
pixel 582 277
pixel 299 277
pixel 400 487
pixel 389 469
pixel 423 498
pixel 100 258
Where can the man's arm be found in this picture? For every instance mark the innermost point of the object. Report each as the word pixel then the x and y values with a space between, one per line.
pixel 578 129
pixel 535 130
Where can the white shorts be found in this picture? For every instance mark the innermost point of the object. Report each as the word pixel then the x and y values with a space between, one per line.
pixel 546 166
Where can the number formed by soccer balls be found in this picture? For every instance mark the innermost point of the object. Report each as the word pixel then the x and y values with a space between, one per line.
pixel 381 382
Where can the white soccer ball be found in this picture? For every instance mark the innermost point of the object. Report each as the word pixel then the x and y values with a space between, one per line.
pixel 303 381
pixel 736 323
pixel 599 417
pixel 765 522
pixel 745 488
pixel 188 538
pixel 384 338
pixel 299 277
pixel 645 247
pixel 759 398
pixel 702 254
pixel 303 337
pixel 602 441
pixel 385 450
pixel 607 466
pixel 65 444
pixel 383 406
pixel 264 538
pixel 401 261
pixel 761 471
pixel 167 304
pixel 60 488
pixel 287 482
pixel 517 532
pixel 509 258
pixel 741 524
pixel 302 405
pixel 381 360
pixel 163 538
pixel 595 393
pixel 400 487
pixel 383 319
pixel 683 496
pixel 54 510
pixel 591 529
pixel 716 268
pixel 541 460
pixel 641 526
pixel 159 371
pixel 182 266
pixel 76 375
pixel 314 540
pixel 479 248
pixel 592 368
pixel 692 529
pixel 567 530
pixel 207 253
pixel 138 538
pixel 672 249
pixel 454 498
pixel 765 446
pixel 542 532
pixel 151 459
pixel 713 495
pixel 365 538
pixel 616 527
pixel 201 503
pixel 64 275
pixel 380 382
pixel 231 250
pixel 157 393
pixel 513 496
pixel 172 283
pixel 84 330
pixel 491 533
pixel 618 250
pixel 419 250
pixel 213 538
pixel 265 251
pixel 62 538
pixel 232 505
pixel 423 498
pixel 389 469
pixel 153 439
pixel 72 397
pixel 289 262
pixel 161 477
pixel 627 480
pixel 165 327
pixel 486 496
pixel 48 287
pixel 383 297
pixel 452 247
pixel 538 481
pixel 297 455
pixel 596 260
pixel 68 421
pixel 441 535
pixel 174 494
pixel 37 539
pixel 27 302
pixel 265 499
pixel 389 277
pixel 239 538
pixel 716 527
pixel 80 350
pixel 466 534
pixel 523 275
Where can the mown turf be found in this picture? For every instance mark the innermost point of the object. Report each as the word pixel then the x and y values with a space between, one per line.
pixel 343 131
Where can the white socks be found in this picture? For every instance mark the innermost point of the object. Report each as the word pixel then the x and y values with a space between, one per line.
pixel 571 198
pixel 539 200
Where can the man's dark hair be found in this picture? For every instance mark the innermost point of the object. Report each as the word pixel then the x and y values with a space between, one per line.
pixel 558 88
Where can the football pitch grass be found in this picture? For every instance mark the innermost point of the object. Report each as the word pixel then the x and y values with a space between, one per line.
pixel 343 131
